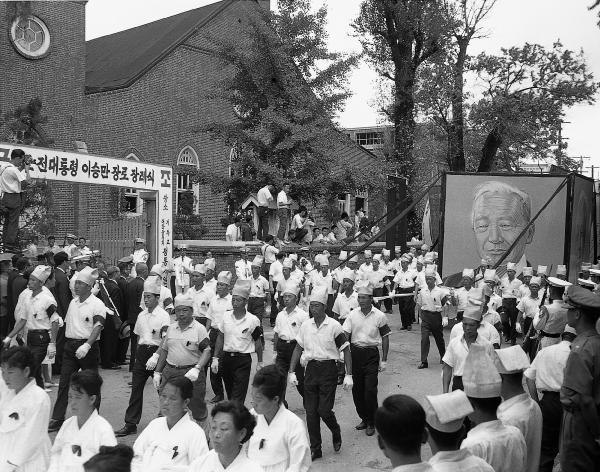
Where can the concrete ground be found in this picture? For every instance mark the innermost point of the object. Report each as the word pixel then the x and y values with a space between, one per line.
pixel 359 452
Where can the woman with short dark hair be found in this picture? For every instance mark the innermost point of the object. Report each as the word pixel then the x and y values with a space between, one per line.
pixel 24 415
pixel 280 440
pixel 231 426
pixel 111 459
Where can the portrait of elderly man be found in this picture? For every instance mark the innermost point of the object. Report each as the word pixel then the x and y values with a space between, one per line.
pixel 499 213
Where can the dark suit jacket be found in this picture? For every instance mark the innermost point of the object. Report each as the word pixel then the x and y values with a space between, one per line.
pixel 133 298
pixel 10 304
pixel 62 292
pixel 122 283
pixel 115 294
pixel 19 283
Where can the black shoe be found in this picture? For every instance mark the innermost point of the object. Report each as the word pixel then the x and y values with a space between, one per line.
pixel 409 328
pixel 370 430
pixel 337 441
pixel 423 365
pixel 316 454
pixel 54 425
pixel 126 430
pixel 362 425
pixel 217 399
pixel 403 328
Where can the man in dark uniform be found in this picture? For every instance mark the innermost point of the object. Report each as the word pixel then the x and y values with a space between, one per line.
pixel 124 266
pixel 133 298
pixel 580 392
pixel 16 285
pixel 110 294
pixel 63 296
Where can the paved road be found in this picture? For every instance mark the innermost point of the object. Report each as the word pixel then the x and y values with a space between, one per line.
pixel 359 452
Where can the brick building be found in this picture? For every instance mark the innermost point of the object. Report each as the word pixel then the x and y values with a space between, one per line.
pixel 137 94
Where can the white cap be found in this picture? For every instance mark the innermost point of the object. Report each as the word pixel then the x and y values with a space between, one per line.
pixel 484 262
pixel 420 260
pixel 368 253
pixel 364 289
pixel 489 275
pixel 527 271
pixel 593 271
pixel 183 299
pixel 511 266
pixel 257 261
pixel 200 268
pixel 157 269
pixel 242 288
pixel 586 283
pixel 480 377
pixel 558 282
pixel 140 240
pixel 385 252
pixel 291 287
pixel 349 274
pixel 354 258
pixel 397 248
pixel 447 412
pixel 287 263
pixel 41 272
pixel 377 257
pixel 343 256
pixel 473 312
pixel 324 260
pixel 424 247
pixel 88 276
pixel 153 284
pixel 585 266
pixel 319 294
pixel 224 277
pixel 294 257
pixel 209 263
pixel 511 360
pixel 468 273
pixel 542 270
pixel 570 329
pixel 561 269
pixel 430 271
pixel 414 242
pixel 535 281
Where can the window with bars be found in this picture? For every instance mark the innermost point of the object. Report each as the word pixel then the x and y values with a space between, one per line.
pixel 187 191
pixel 370 138
pixel 131 203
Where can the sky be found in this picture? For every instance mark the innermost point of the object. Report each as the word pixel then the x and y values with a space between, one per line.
pixel 510 23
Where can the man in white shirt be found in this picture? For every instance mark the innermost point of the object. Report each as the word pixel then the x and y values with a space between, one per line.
pixel 140 255
pixel 12 175
pixel 201 295
pixel 509 285
pixel 265 198
pixel 70 245
pixel 529 306
pixel 366 266
pixel 182 268
pixel 243 267
pixel 404 283
pixel 545 376
pixel 347 299
pixel 445 430
pixel 232 233
pixel 431 300
pixel 518 409
pixel 301 225
pixel 275 276
pixel 260 296
pixel 283 212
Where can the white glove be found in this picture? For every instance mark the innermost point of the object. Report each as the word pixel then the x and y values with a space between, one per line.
pixel 259 365
pixel 518 328
pixel 292 380
pixel 444 321
pixel 214 366
pixel 151 364
pixel 6 342
pixel 382 366
pixel 156 378
pixel 348 382
pixel 192 374
pixel 82 351
pixel 51 352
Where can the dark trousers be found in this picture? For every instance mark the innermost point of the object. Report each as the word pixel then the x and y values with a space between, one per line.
pixel 509 319
pixel 70 365
pixel 37 341
pixel 60 347
pixel 379 292
pixel 284 216
pixel 109 343
pixel 299 234
pixel 431 323
pixel 459 315
pixel 235 368
pixel 256 306
pixel 11 210
pixel 578 450
pixel 274 308
pixel 552 413
pixel 388 302
pixel 216 380
pixel 329 306
pixel 365 367
pixel 263 223
pixel 283 359
pixel 197 404
pixel 320 383
pixel 4 326
pixel 138 382
pixel 525 325
pixel 133 338
pixel 406 306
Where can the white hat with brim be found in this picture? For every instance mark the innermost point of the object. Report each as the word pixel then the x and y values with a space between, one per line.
pixel 473 312
pixel 71 236
pixel 558 282
pixel 414 242
pixel 41 272
pixel 446 412
pixel 594 271
pixel 242 288
pixel 586 283
pixel 319 294
pixel 397 249
pixel 354 258
pixel 480 377
pixel 88 275
pixel 82 258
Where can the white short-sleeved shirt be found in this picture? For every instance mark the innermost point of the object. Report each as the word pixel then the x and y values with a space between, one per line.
pixel 259 287
pixel 529 306
pixel 81 317
pixel 34 309
pixel 184 347
pixel 457 351
pixel 324 342
pixel 431 300
pixel 485 331
pixel 233 232
pixel 366 330
pixel 239 335
pixel 73 446
pixel 217 308
pixel 405 279
pixel 375 277
pixel 210 462
pixel 298 222
pixel 180 264
pixel 243 269
pixel 282 200
pixel 459 461
pixel 263 196
pixel 150 326
pixel 287 325
pixel 320 280
pixel 269 252
pixel 343 304
pixel 160 448
pixel 11 178
pixel 276 271
pixel 202 299
pixel 510 288
pixel 548 367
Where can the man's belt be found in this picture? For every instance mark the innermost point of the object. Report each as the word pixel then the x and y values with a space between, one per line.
pixel 235 354
pixel 550 335
pixel 173 366
pixel 293 341
pixel 38 331
pixel 356 346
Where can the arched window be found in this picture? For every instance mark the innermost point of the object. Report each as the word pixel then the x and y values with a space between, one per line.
pixel 132 203
pixel 187 191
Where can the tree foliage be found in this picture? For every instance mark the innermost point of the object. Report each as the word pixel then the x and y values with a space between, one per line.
pixel 284 104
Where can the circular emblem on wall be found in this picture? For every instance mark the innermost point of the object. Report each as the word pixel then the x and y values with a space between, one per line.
pixel 30 37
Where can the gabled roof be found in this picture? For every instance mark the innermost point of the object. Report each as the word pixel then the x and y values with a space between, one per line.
pixel 118 60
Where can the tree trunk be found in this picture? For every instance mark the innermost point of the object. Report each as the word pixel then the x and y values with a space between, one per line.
pixel 456 146
pixel 492 143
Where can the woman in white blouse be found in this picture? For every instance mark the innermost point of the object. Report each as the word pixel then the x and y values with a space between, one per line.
pixel 231 426
pixel 24 415
pixel 280 441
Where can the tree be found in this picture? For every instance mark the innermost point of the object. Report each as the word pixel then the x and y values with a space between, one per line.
pixel 284 104
pixel 526 92
pixel 397 37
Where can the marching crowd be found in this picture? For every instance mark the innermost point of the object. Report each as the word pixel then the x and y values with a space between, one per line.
pixel 520 375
